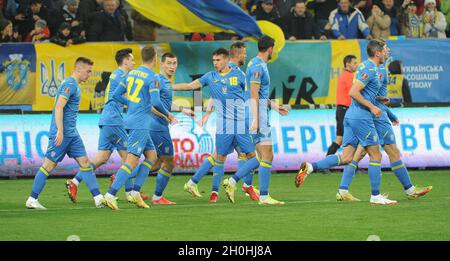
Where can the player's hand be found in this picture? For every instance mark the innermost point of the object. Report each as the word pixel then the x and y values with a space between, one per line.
pixel 172 119
pixel 20 17
pixel 254 127
pixel 36 17
pixel 282 110
pixel 376 111
pixel 188 112
pixel 396 122
pixel 59 138
pixel 204 119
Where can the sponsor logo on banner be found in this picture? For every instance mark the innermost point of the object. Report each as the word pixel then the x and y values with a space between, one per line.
pixel 52 76
pixel 17 71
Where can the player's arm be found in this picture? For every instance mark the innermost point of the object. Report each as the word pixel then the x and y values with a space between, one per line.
pixel 185 110
pixel 118 93
pixel 355 93
pixel 278 108
pixel 254 104
pixel 392 117
pixel 159 114
pixel 59 111
pixel 194 85
pixel 209 110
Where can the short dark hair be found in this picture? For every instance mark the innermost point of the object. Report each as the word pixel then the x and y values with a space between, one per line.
pixel 84 60
pixel 122 54
pixel 374 46
pixel 395 67
pixel 167 55
pixel 265 42
pixel 221 51
pixel 236 46
pixel 299 2
pixel 148 53
pixel 348 59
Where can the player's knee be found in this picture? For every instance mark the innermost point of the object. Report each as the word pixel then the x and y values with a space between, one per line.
pixel 346 159
pixel 374 154
pixel 168 164
pixel 49 165
pixel 250 155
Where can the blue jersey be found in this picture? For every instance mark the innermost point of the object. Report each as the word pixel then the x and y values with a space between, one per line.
pixel 166 94
pixel 246 94
pixel 257 72
pixel 386 115
pixel 369 76
pixel 69 90
pixel 227 90
pixel 112 112
pixel 140 83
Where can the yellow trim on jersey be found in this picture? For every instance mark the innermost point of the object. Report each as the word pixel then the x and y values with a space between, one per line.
pixel 368 134
pixel 67 98
pixel 164 172
pixel 363 84
pixel 44 170
pixel 385 134
pixel 154 90
pixel 255 82
pixel 225 73
pixel 126 169
pixel 147 164
pixel 375 164
pixel 398 167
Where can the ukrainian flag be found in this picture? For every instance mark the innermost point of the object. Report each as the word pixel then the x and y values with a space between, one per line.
pixel 187 16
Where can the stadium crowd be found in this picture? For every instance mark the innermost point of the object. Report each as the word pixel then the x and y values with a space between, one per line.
pixel 67 22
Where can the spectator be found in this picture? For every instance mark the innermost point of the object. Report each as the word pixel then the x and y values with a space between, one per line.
pixel 198 37
pixel 40 32
pixel 345 22
pixel 285 7
pixel 144 29
pixel 65 37
pixel 394 14
pixel 411 22
pixel 396 68
pixel 69 14
pixel 28 16
pixel 7 34
pixel 88 8
pixel 322 10
pixel 434 23
pixel 266 11
pixel 421 6
pixel 379 22
pixel 343 99
pixel 300 24
pixel 110 24
pixel 445 9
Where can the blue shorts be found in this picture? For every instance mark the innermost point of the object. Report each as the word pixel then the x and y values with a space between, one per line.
pixel 262 137
pixel 139 141
pixel 72 146
pixel 162 142
pixel 226 143
pixel 359 131
pixel 385 132
pixel 112 137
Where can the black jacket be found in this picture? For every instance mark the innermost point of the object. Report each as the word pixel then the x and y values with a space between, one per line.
pixel 302 27
pixel 60 39
pixel 104 27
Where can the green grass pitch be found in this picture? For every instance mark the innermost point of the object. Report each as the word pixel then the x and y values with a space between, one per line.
pixel 310 213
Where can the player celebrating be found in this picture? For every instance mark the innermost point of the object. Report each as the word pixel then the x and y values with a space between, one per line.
pixel 238 56
pixel 64 137
pixel 258 79
pixel 359 127
pixel 142 93
pixel 159 129
pixel 112 133
pixel 227 87
pixel 387 140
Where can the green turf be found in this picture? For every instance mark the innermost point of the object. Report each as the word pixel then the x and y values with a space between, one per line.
pixel 310 213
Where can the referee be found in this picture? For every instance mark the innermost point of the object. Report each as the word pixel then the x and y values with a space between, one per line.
pixel 343 100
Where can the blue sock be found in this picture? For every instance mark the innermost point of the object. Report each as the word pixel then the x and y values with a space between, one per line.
pixel 241 162
pixel 39 182
pixel 248 180
pixel 203 170
pixel 79 177
pixel 264 177
pixel 401 172
pixel 246 170
pixel 90 179
pixel 327 163
pixel 161 181
pixel 219 169
pixel 375 176
pixel 121 177
pixel 129 184
pixel 347 176
pixel 143 171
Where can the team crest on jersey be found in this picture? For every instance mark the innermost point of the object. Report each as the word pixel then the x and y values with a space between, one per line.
pixel 364 76
pixel 224 90
pixel 67 90
pixel 16 71
pixel 51 77
pixel 380 76
pixel 156 83
pixel 256 75
pixel 166 149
